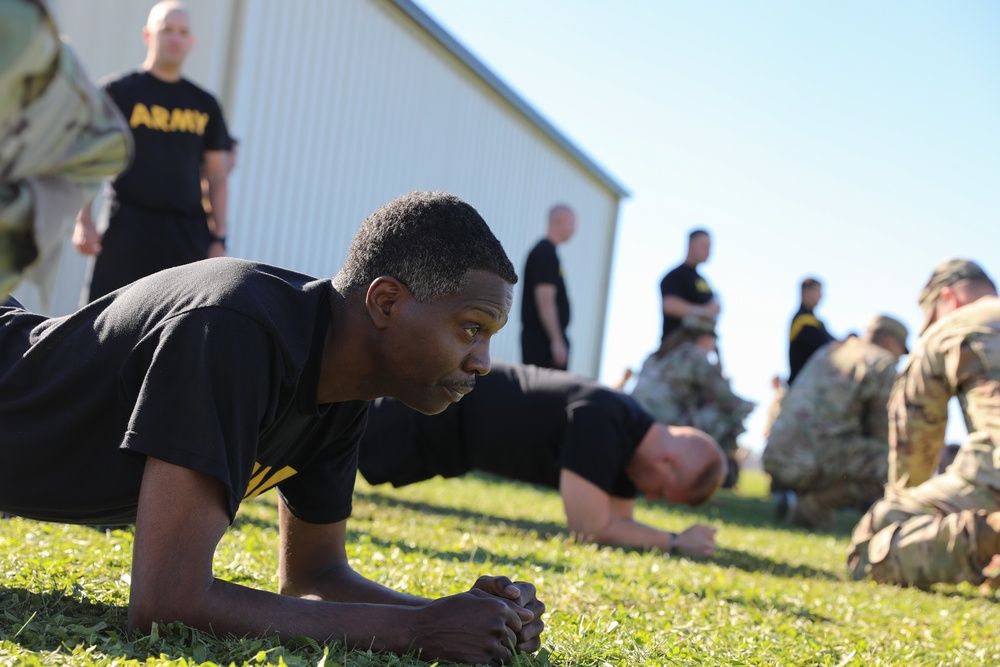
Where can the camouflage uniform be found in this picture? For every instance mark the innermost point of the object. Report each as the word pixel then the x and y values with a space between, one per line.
pixel 59 137
pixel 684 388
pixel 939 530
pixel 829 442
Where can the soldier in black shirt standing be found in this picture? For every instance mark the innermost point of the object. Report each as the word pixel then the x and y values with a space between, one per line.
pixel 683 289
pixel 807 333
pixel 156 217
pixel 544 303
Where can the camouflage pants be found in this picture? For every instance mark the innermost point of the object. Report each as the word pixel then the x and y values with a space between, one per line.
pixel 827 475
pixel 939 531
pixel 855 462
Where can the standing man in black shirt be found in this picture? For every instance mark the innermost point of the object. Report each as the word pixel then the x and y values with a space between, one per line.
pixel 544 303
pixel 683 289
pixel 157 219
pixel 807 333
pixel 597 446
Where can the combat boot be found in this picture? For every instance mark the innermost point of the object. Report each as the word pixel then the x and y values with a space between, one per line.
pixel 815 510
pixel 988 551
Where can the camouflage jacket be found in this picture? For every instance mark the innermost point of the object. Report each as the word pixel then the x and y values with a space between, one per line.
pixel 842 391
pixel 957 356
pixel 59 137
pixel 683 382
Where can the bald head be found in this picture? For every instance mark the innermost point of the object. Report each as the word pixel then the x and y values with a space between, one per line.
pixel 703 464
pixel 167 35
pixel 679 464
pixel 562 223
pixel 160 10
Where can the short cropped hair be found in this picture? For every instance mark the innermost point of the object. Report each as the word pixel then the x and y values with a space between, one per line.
pixel 809 283
pixel 429 241
pixel 695 233
pixel 559 208
pixel 984 283
pixel 707 482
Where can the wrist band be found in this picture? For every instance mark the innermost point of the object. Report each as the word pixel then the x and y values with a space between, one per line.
pixel 218 239
pixel 674 537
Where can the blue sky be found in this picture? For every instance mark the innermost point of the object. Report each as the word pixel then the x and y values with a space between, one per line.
pixel 855 141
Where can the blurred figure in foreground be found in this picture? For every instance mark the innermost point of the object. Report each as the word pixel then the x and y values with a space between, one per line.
pixel 60 138
pixel 943 528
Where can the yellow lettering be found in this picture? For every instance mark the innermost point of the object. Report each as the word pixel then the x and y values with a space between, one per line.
pixel 202 122
pixel 161 118
pixel 140 116
pixel 182 120
pixel 167 120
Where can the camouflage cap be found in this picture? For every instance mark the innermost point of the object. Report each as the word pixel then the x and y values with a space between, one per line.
pixel 890 326
pixel 698 323
pixel 945 274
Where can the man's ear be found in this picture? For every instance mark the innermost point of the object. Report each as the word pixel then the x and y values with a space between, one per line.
pixel 671 458
pixel 946 303
pixel 384 298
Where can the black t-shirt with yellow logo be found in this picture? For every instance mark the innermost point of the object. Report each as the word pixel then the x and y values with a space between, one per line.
pixel 686 283
pixel 213 366
pixel 174 124
pixel 806 335
pixel 521 422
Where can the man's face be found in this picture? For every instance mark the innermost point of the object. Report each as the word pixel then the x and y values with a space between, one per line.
pixel 436 349
pixel 700 248
pixel 811 296
pixel 660 481
pixel 169 38
pixel 567 224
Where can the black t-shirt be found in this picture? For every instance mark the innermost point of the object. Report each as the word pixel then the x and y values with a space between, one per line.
pixel 806 335
pixel 542 267
pixel 686 283
pixel 213 366
pixel 173 124
pixel 521 422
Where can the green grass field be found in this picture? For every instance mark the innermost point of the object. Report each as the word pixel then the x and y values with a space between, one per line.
pixel 770 596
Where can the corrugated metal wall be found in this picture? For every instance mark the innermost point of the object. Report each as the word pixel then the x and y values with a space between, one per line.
pixel 340 106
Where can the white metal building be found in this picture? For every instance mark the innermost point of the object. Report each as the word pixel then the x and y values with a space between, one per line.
pixel 339 106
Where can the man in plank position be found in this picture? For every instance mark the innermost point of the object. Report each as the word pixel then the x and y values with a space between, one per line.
pixel 597 446
pixel 171 400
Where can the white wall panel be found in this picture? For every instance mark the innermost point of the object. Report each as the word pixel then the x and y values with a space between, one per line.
pixel 341 105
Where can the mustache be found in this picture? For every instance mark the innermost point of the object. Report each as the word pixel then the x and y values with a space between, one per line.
pixel 469 384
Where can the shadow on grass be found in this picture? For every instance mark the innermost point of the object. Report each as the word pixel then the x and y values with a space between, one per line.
pixel 968 592
pixel 544 529
pixel 748 562
pixel 49 621
pixel 478 555
pixel 754 512
pixel 741 560
pixel 56 627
